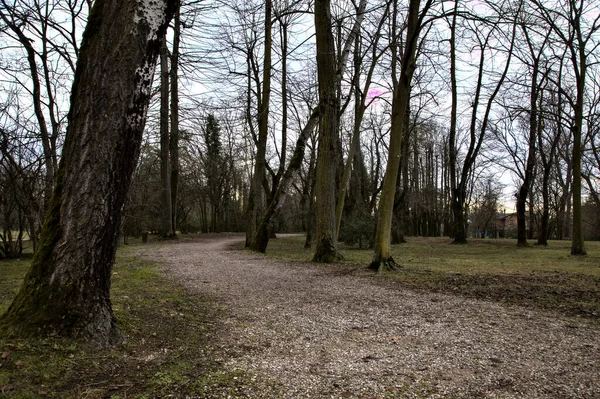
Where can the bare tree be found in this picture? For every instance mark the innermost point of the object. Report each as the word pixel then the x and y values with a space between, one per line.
pixel 382 255
pixel 477 127
pixel 569 24
pixel 67 288
pixel 326 250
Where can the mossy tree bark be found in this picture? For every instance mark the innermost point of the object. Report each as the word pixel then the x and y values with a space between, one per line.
pixel 382 256
pixel 326 250
pixel 66 291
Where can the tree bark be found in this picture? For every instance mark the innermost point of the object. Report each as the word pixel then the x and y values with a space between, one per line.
pixel 174 136
pixel 577 243
pixel 382 256
pixel 326 250
pixel 165 165
pixel 66 291
pixel 528 178
pixel 261 239
pixel 257 204
pixel 547 163
pixel 458 232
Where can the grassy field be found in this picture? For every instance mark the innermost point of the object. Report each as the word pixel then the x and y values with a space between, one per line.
pixel 542 277
pixel 167 351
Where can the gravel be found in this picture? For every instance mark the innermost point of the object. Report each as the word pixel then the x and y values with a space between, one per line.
pixel 311 331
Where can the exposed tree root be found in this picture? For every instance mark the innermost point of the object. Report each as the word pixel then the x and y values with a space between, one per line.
pixel 389 264
pixel 327 252
pixel 578 251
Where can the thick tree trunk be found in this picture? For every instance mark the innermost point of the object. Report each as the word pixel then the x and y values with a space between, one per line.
pixel 532 224
pixel 460 220
pixel 401 199
pixel 521 222
pixel 66 291
pixel 327 157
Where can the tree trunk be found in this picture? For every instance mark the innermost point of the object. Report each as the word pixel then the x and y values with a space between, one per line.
pixel 531 155
pixel 382 254
pixel 310 219
pixel 66 291
pixel 456 207
pixel 256 206
pixel 459 227
pixel 327 158
pixel 165 166
pixel 547 160
pixel 477 133
pixel 261 239
pixel 174 137
pixel 577 243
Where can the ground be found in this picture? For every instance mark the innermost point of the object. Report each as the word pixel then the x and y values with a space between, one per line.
pixel 205 319
pixel 304 330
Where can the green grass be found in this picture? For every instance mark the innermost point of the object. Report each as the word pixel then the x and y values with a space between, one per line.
pixel 167 349
pixel 11 273
pixel 543 277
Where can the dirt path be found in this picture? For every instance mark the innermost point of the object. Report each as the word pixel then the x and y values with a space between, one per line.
pixel 305 331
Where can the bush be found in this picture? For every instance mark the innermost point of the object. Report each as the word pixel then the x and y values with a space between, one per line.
pixel 358 228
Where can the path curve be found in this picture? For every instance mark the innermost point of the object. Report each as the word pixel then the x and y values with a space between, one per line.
pixel 312 331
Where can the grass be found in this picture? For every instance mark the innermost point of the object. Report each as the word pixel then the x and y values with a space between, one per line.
pixel 541 277
pixel 168 348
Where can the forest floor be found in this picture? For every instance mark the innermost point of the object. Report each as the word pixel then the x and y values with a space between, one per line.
pixel 205 319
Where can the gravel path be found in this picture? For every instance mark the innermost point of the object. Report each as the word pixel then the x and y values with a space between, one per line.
pixel 312 331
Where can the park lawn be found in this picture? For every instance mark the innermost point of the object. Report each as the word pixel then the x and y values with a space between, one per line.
pixel 167 349
pixel 541 277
